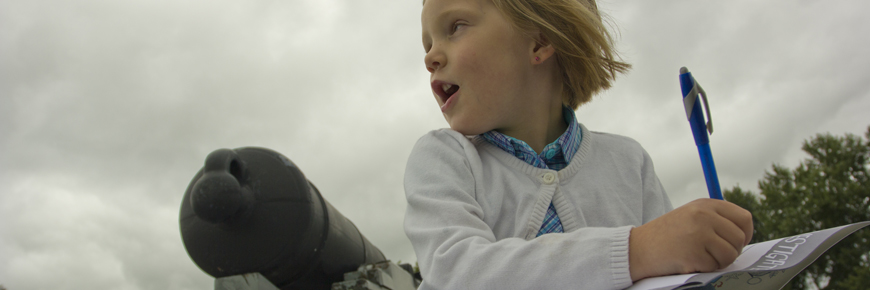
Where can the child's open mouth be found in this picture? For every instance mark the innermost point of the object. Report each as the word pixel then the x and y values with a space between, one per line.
pixel 445 91
pixel 449 89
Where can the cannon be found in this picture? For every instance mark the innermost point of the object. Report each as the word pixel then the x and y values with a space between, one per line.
pixel 250 215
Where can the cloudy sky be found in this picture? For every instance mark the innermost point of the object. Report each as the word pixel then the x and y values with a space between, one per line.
pixel 108 109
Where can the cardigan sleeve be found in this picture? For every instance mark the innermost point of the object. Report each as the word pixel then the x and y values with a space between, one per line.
pixel 456 249
pixel 655 200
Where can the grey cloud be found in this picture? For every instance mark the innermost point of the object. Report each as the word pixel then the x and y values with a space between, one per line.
pixel 108 109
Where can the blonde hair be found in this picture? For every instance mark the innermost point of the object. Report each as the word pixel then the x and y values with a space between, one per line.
pixel 584 48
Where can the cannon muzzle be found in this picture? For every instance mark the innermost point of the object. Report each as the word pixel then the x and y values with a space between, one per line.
pixel 252 210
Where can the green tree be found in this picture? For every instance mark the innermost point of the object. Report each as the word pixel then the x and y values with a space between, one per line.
pixel 829 189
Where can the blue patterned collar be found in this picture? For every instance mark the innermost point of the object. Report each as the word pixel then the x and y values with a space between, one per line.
pixel 554 156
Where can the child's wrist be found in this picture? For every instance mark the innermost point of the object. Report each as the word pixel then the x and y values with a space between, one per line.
pixel 637 267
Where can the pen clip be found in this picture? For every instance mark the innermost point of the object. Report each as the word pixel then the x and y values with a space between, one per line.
pixel 689 103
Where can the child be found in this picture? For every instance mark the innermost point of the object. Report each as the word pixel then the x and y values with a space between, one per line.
pixel 517 194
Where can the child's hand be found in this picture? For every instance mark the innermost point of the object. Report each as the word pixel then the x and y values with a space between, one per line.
pixel 700 236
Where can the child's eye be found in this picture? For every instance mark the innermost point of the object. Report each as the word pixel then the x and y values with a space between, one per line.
pixel 456 26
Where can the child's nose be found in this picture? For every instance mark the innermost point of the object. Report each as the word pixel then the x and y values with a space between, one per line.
pixel 434 60
pixel 433 66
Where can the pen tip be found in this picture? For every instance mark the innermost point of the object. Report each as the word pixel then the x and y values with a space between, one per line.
pixel 683 70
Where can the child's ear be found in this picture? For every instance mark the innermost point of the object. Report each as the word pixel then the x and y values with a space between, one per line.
pixel 542 49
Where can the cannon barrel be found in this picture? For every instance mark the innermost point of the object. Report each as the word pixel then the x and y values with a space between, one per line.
pixel 252 210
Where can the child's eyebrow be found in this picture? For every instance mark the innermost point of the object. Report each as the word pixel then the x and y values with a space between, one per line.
pixel 445 15
pixel 463 12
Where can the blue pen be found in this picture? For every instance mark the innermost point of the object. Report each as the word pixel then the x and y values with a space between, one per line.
pixel 691 91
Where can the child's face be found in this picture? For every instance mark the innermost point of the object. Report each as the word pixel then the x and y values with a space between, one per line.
pixel 479 65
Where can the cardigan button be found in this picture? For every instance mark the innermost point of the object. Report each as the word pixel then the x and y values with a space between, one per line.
pixel 548 178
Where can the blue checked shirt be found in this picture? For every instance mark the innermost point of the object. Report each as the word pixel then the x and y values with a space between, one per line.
pixel 554 156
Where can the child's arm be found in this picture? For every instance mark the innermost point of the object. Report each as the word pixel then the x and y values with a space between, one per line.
pixel 701 236
pixel 457 249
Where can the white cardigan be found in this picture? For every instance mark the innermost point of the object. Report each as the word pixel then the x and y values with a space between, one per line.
pixel 473 212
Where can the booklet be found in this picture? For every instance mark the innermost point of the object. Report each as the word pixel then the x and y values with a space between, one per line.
pixel 766 265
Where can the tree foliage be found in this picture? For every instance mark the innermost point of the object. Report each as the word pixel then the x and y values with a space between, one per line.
pixel 829 189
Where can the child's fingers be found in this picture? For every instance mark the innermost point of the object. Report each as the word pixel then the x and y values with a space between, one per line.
pixel 722 251
pixel 739 216
pixel 730 232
